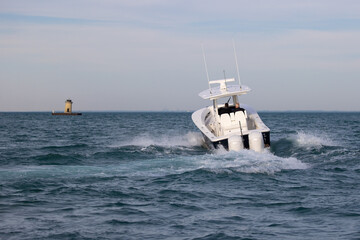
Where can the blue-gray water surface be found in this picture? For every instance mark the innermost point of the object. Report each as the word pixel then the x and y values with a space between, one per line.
pixel 146 176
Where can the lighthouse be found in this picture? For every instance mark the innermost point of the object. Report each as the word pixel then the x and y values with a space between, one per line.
pixel 68 106
pixel 68 109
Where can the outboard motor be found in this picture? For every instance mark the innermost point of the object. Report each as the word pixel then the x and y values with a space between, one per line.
pixel 256 141
pixel 235 143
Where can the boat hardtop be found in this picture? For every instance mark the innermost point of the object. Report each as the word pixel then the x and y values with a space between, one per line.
pixel 223 90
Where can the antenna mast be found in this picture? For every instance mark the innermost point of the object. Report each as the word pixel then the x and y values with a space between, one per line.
pixel 207 73
pixel 225 79
pixel 237 65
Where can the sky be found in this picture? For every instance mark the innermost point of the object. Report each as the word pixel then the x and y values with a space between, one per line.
pixel 146 55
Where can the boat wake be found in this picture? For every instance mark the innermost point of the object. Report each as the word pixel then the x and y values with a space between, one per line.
pixel 248 161
pixel 184 153
pixel 150 160
pixel 175 154
pixel 190 139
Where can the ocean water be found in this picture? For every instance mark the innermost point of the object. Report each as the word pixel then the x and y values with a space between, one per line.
pixel 146 176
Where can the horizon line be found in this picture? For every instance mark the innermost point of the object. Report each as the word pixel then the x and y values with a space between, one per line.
pixel 179 111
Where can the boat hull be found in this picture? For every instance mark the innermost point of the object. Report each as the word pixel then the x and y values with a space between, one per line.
pixel 254 133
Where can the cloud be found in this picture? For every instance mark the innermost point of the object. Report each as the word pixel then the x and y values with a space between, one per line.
pixel 184 15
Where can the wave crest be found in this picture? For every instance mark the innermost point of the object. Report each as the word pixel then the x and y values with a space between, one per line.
pixel 311 140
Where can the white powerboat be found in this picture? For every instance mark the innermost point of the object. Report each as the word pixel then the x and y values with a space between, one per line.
pixel 225 124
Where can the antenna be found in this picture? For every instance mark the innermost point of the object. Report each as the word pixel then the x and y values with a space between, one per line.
pixel 237 65
pixel 225 80
pixel 207 73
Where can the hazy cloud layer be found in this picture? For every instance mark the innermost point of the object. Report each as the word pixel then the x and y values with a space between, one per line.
pixel 146 55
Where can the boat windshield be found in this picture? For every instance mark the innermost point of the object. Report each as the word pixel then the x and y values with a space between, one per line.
pixel 228 105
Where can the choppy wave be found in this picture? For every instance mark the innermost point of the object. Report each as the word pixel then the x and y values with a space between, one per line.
pixel 312 140
pixel 304 143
